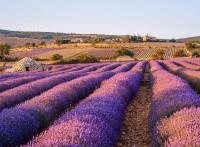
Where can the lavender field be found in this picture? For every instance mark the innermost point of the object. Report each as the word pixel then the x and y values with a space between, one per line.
pixel 95 105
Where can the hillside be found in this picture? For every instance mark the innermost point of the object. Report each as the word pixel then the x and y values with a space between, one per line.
pixel 16 41
pixel 187 39
pixel 46 35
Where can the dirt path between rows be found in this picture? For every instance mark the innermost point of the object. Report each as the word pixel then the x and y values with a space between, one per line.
pixel 134 132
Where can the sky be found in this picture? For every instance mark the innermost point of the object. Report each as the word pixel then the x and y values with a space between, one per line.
pixel 159 18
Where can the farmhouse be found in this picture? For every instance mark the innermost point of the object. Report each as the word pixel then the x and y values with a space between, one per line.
pixel 148 38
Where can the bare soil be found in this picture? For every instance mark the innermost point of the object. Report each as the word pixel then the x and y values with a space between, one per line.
pixel 134 132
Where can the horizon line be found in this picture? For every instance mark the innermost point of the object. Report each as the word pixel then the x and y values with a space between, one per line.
pixel 138 34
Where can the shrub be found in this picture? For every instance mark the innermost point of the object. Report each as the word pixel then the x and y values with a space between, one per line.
pixel 4 50
pixel 87 59
pixel 59 41
pixel 192 44
pixel 57 57
pixel 159 54
pixel 10 59
pixel 136 38
pixel 82 59
pixel 43 43
pixel 28 44
pixel 172 40
pixel 126 39
pixel 123 52
pixel 180 53
pixel 196 54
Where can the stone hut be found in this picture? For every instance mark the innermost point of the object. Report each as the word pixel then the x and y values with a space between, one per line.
pixel 26 64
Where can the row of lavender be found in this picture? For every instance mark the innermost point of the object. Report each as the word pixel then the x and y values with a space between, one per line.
pixel 25 77
pixel 95 121
pixel 17 91
pixel 191 75
pixel 18 124
pixel 9 81
pixel 175 112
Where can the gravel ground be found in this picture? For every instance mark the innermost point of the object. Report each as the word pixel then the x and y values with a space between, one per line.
pixel 134 132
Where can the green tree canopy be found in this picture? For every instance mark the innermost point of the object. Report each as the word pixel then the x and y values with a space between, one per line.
pixel 180 53
pixel 192 44
pixel 56 57
pixel 4 50
pixel 159 54
pixel 123 52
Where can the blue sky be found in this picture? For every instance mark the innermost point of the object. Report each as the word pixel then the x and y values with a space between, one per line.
pixel 160 18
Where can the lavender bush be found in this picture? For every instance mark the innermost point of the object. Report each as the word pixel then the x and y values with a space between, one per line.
pixel 64 68
pixel 19 94
pixel 8 84
pixel 192 76
pixel 187 65
pixel 21 74
pixel 93 67
pixel 169 65
pixel 20 123
pixel 170 94
pixel 108 67
pixel 124 67
pixel 181 129
pixel 96 121
pixel 73 68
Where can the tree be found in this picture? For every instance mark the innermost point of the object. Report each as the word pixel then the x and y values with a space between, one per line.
pixel 172 40
pixel 180 53
pixel 87 59
pixel 33 44
pixel 83 59
pixel 123 52
pixel 43 43
pixel 57 57
pixel 60 41
pixel 159 54
pixel 29 44
pixel 196 54
pixel 136 38
pixel 4 50
pixel 126 39
pixel 192 44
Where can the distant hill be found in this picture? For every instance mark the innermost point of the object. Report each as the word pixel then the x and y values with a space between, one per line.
pixel 46 35
pixel 16 41
pixel 187 39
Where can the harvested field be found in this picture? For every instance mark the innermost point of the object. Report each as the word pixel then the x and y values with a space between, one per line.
pixel 102 51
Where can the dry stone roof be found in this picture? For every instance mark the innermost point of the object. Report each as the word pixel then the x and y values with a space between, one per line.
pixel 26 64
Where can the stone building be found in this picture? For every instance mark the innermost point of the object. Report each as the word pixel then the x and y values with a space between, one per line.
pixel 26 64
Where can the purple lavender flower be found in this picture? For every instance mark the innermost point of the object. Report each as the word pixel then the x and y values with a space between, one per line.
pixel 170 94
pixel 108 67
pixel 8 84
pixel 124 67
pixel 19 94
pixel 187 65
pixel 97 119
pixel 180 129
pixel 192 76
pixel 20 123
